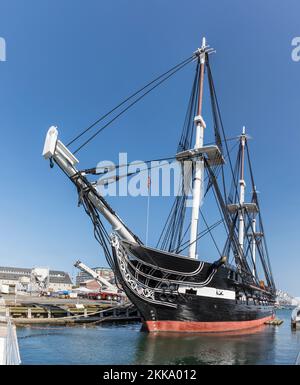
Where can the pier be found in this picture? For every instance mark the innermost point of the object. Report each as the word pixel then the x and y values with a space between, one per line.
pixel 70 313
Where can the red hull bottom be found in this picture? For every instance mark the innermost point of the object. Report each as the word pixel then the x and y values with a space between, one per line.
pixel 189 326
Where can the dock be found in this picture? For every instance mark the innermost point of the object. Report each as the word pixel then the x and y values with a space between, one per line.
pixel 9 348
pixel 274 322
pixel 38 313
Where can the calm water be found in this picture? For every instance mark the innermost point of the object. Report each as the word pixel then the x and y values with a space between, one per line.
pixel 111 344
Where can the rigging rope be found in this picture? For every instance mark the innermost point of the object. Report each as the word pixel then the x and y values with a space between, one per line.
pixel 163 78
pixel 186 244
pixel 96 170
pixel 267 268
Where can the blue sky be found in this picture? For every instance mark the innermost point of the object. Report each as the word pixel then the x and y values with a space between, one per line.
pixel 69 61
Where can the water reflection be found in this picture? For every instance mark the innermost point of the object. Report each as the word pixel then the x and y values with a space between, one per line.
pixel 251 346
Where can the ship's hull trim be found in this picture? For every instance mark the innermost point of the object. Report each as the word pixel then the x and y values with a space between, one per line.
pixel 203 327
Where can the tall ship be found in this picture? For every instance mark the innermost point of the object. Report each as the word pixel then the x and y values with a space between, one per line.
pixel 172 287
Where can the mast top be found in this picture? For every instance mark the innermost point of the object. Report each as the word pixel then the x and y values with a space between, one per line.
pixel 204 49
pixel 243 137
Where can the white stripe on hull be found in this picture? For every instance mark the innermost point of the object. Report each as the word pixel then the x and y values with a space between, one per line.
pixel 210 292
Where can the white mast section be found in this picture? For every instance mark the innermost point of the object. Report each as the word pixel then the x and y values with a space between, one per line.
pixel 253 245
pixel 242 192
pixel 55 149
pixel 199 164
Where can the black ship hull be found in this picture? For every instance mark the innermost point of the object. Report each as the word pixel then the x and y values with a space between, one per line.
pixel 202 315
pixel 176 293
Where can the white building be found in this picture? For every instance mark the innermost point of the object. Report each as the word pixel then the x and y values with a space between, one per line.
pixel 18 277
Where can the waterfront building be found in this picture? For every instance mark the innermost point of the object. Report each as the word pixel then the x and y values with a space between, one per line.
pixel 19 278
